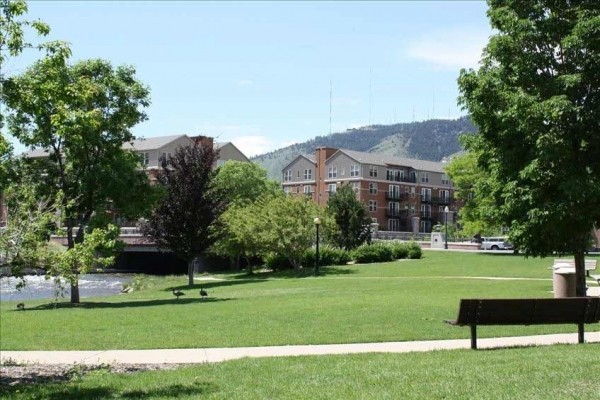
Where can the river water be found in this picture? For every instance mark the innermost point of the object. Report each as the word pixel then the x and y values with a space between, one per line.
pixel 39 288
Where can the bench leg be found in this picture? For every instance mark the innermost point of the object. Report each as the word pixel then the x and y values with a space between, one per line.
pixel 474 337
pixel 580 333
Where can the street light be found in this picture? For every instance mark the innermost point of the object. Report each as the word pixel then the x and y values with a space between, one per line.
pixel 446 211
pixel 317 222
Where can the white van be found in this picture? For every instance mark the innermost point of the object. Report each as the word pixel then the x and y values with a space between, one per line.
pixel 495 243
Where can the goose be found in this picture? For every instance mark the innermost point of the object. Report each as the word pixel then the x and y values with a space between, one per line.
pixel 203 293
pixel 177 293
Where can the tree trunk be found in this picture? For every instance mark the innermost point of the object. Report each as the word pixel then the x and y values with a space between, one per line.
pixel 75 290
pixel 580 286
pixel 191 272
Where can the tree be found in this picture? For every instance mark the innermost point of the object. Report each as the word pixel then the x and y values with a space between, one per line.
pixel 536 101
pixel 13 33
pixel 81 115
pixel 477 214
pixel 351 218
pixel 244 183
pixel 285 225
pixel 187 219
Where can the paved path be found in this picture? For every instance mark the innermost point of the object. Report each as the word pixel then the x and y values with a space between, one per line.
pixel 189 356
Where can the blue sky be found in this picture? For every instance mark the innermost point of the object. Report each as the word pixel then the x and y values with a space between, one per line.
pixel 258 73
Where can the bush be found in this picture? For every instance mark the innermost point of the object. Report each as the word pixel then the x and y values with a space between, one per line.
pixel 277 262
pixel 327 256
pixel 377 252
pixel 399 250
pixel 414 251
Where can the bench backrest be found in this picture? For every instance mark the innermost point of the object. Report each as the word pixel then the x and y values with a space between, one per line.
pixel 589 264
pixel 529 311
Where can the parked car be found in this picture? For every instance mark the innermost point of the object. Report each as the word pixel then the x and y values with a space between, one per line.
pixel 495 243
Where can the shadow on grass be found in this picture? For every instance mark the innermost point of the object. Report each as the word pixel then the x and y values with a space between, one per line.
pixel 61 391
pixel 291 274
pixel 127 304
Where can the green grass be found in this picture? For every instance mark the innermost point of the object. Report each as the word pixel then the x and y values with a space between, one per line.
pixel 555 372
pixel 399 301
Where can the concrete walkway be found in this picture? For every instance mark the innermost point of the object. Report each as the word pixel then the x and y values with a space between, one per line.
pixel 190 356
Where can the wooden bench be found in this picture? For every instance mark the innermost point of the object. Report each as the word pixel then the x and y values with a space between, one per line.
pixel 570 310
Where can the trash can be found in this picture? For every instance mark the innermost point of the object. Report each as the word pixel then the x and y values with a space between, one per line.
pixel 564 282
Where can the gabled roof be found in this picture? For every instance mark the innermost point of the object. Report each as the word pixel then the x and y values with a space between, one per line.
pixel 311 159
pixel 218 145
pixel 151 143
pixel 387 161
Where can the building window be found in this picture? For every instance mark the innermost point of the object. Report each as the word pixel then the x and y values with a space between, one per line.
pixel 373 220
pixel 411 210
pixel 372 188
pixel 425 177
pixel 412 192
pixel 332 172
pixel 331 188
pixel 444 196
pixel 354 170
pixel 342 171
pixel 425 226
pixel 393 225
pixel 425 194
pixel 425 210
pixel 298 173
pixel 412 176
pixel 394 192
pixel 307 189
pixel 287 176
pixel 356 186
pixel 373 171
pixel 307 174
pixel 287 190
pixel 445 179
pixel 165 156
pixel 372 205
pixel 145 158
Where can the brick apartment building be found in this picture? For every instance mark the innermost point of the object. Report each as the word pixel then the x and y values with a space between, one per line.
pixel 402 194
pixel 150 151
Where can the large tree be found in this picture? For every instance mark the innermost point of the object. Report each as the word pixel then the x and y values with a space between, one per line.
pixel 536 101
pixel 244 184
pixel 188 217
pixel 351 219
pixel 477 212
pixel 81 115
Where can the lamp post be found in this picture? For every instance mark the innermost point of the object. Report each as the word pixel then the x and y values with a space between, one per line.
pixel 317 222
pixel 446 211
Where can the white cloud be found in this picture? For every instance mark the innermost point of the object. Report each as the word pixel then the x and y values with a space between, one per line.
pixel 450 49
pixel 253 145
pixel 245 82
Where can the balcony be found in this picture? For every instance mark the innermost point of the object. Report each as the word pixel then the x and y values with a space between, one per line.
pixel 396 213
pixel 397 178
pixel 396 196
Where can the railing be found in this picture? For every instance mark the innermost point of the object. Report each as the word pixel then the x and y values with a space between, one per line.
pixel 396 213
pixel 407 179
pixel 398 196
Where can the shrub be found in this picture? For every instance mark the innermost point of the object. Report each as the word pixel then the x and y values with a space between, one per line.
pixel 277 262
pixel 414 251
pixel 399 250
pixel 377 252
pixel 327 256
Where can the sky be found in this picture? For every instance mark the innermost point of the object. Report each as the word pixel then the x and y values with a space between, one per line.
pixel 264 75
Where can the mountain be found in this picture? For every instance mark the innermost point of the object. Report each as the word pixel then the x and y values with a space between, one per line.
pixel 427 140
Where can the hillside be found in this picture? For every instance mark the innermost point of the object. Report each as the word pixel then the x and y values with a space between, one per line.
pixel 427 140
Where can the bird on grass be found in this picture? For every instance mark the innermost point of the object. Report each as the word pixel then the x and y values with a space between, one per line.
pixel 21 306
pixel 203 293
pixel 177 293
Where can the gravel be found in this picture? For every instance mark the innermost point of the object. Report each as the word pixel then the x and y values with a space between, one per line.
pixel 41 373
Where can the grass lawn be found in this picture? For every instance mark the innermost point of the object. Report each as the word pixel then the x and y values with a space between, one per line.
pixel 555 372
pixel 398 301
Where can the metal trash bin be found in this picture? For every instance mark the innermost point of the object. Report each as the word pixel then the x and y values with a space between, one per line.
pixel 564 282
